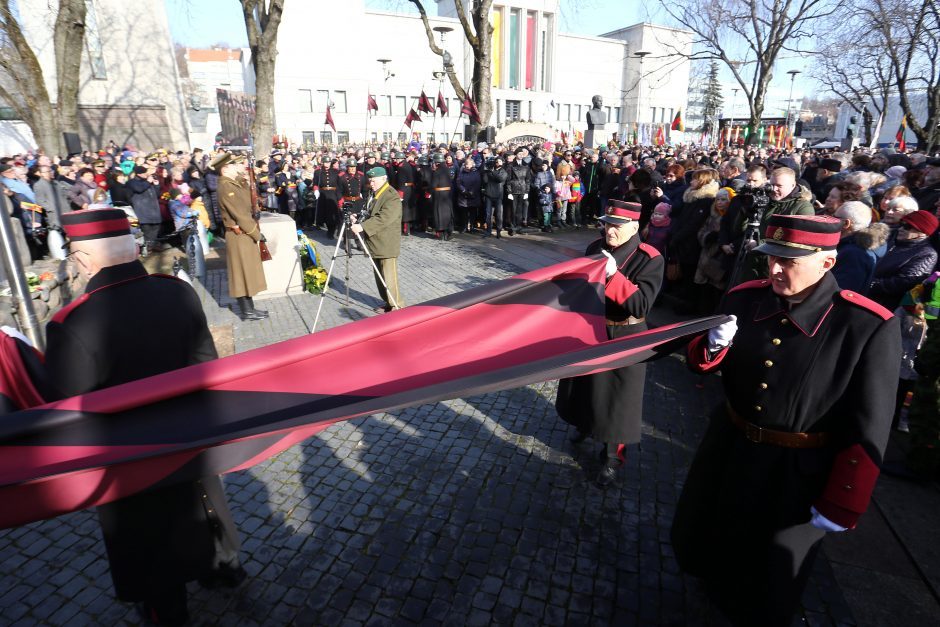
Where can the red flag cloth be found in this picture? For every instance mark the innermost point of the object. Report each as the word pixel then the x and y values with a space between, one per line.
pixel 412 117
pixel 470 110
pixel 771 138
pixel 229 414
pixel 424 103
pixel 372 105
pixel 329 119
pixel 442 103
pixel 661 136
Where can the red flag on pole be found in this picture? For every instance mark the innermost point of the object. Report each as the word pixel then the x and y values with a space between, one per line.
pixel 470 110
pixel 661 136
pixel 442 103
pixel 329 119
pixel 412 117
pixel 372 105
pixel 424 104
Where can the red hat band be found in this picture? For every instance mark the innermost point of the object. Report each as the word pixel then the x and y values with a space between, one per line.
pixel 626 210
pixel 796 238
pixel 95 224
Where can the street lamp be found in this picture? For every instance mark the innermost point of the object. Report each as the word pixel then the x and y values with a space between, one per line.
pixel 385 71
pixel 734 97
pixel 639 54
pixel 792 74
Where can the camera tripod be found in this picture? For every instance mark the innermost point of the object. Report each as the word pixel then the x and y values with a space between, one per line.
pixel 343 247
pixel 751 234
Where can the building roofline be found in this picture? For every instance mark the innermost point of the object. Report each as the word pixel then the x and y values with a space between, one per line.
pixel 600 38
pixel 642 24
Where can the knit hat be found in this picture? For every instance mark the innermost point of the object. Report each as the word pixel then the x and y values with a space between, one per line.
pixel 923 221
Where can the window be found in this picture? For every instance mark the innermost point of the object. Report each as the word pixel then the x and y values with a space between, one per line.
pixel 400 105
pixel 304 100
pixel 326 137
pixel 431 138
pixel 375 137
pixel 386 137
pixel 617 115
pixel 402 138
pixel 309 138
pixel 580 111
pixel 566 114
pixel 323 99
pixel 557 111
pixel 385 105
pixel 93 42
pixel 653 119
pixel 342 137
pixel 513 110
pixel 671 115
pixel 609 115
pixel 339 99
pixel 458 105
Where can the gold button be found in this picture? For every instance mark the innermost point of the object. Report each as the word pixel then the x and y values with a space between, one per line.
pixel 847 487
pixel 768 363
pixel 763 386
pixel 775 341
pixel 784 321
pixel 757 408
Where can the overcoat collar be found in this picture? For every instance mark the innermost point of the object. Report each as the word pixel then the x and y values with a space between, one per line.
pixel 806 316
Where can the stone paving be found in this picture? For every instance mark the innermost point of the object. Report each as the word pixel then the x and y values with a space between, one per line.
pixel 475 511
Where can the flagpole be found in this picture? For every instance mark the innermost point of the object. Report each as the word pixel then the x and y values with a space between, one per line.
pixel 368 113
pixel 459 116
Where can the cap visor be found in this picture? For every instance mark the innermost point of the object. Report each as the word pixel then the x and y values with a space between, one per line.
pixel 613 219
pixel 778 250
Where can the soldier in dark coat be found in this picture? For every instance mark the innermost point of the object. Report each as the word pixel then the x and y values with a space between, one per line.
pixel 159 539
pixel 326 191
pixel 407 176
pixel 440 183
pixel 352 187
pixel 794 452
pixel 608 406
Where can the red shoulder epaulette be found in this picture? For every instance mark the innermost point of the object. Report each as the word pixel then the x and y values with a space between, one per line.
pixel 750 285
pixel 63 313
pixel 651 251
pixel 866 303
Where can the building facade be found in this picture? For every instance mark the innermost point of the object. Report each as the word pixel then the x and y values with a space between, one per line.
pixel 539 74
pixel 129 90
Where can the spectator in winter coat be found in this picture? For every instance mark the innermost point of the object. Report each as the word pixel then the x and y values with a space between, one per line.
pixel 856 259
pixel 144 199
pixel 84 187
pixel 657 231
pixel 47 196
pixel 468 183
pixel 494 184
pixel 911 260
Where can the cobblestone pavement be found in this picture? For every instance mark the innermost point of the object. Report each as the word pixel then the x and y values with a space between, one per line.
pixel 475 511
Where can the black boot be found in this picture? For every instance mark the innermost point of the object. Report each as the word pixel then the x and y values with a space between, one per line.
pixel 260 312
pixel 247 310
pixel 612 463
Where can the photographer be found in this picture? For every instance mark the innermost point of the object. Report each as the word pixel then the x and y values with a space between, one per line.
pixel 494 182
pixel 756 202
pixel 382 233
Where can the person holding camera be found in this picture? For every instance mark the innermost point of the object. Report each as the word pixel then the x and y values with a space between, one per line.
pixel 382 233
pixel 757 201
pixel 494 182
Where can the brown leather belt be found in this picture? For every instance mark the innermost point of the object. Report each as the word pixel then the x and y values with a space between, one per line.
pixel 625 323
pixel 788 439
pixel 328 189
pixel 441 189
pixel 409 184
pixel 351 198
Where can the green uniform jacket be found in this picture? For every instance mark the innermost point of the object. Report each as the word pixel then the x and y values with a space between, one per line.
pixel 383 226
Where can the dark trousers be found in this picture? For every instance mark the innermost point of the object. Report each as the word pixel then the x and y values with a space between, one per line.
pixel 519 208
pixel 494 210
pixel 151 232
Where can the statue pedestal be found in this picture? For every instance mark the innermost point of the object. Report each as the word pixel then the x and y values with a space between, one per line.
pixel 589 137
pixel 283 273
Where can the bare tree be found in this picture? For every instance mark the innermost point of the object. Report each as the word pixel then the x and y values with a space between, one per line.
pixel 760 30
pixel 478 32
pixel 22 83
pixel 908 35
pixel 262 19
pixel 856 72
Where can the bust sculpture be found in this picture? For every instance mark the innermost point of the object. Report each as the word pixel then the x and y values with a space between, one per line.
pixel 596 118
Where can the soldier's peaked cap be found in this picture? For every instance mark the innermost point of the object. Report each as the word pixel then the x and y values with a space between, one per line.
pixel 92 224
pixel 799 236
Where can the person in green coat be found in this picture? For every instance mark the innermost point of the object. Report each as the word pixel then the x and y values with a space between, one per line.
pixel 382 233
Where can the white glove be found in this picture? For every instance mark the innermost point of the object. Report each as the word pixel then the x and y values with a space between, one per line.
pixel 821 522
pixel 316 194
pixel 15 334
pixel 525 197
pixel 509 196
pixel 611 267
pixel 720 336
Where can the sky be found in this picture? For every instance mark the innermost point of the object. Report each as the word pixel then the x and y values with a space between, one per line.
pixel 202 23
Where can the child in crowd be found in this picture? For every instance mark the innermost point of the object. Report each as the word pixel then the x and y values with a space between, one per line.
pixel 656 233
pixel 546 200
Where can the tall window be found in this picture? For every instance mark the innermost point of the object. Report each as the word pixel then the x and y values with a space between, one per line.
pixel 304 100
pixel 431 139
pixel 566 114
pixel 323 99
pixel 309 138
pixel 401 103
pixel 616 115
pixel 339 99
pixel 385 105
pixel 513 110
pixel 375 137
pixel 514 33
pixel 326 137
pixel 402 137
pixel 386 137
pixel 342 137
pixel 653 118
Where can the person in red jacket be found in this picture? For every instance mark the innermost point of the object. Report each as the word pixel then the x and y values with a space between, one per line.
pixel 809 372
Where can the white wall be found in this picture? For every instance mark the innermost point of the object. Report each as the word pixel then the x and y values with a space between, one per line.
pixel 15 137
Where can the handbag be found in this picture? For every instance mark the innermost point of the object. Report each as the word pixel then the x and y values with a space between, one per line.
pixel 263 249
